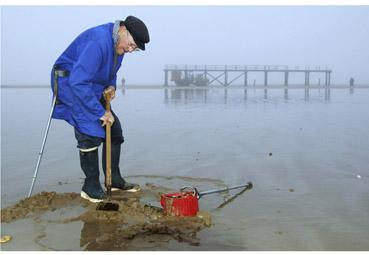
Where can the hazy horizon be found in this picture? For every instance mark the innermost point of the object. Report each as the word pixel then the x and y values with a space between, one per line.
pixel 32 37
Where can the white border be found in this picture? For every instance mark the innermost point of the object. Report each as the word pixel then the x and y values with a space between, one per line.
pixel 184 2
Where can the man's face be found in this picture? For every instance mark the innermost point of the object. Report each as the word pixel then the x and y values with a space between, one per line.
pixel 125 44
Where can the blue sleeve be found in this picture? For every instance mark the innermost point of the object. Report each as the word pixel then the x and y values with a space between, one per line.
pixel 81 75
pixel 113 81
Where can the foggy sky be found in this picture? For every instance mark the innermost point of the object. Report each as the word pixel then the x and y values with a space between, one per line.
pixel 337 37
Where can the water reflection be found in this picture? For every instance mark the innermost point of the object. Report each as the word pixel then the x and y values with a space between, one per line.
pixel 327 94
pixel 306 97
pixel 351 90
pixel 285 94
pixel 96 236
pixel 183 95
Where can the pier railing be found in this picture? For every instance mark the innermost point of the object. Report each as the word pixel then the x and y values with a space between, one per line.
pixel 208 74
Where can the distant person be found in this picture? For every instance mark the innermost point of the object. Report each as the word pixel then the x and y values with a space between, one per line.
pixel 123 86
pixel 82 73
pixel 352 81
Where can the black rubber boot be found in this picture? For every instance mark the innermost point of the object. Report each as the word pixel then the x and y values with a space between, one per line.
pixel 117 182
pixel 91 189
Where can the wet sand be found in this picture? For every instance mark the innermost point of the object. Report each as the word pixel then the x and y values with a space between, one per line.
pixel 135 225
pixel 303 153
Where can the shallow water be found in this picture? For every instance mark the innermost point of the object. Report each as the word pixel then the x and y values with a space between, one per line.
pixel 302 149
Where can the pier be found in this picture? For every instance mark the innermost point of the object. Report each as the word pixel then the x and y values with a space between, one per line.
pixel 204 75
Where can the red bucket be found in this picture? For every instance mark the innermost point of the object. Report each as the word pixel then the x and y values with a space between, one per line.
pixel 183 203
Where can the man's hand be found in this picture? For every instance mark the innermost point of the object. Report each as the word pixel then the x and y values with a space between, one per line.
pixel 108 117
pixel 111 91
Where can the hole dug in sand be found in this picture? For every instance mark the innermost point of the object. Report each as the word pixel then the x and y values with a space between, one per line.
pixel 134 226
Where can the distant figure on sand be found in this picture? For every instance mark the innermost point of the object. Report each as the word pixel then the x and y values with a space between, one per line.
pixel 352 82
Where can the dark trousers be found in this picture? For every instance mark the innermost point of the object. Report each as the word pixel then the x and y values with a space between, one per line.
pixel 85 141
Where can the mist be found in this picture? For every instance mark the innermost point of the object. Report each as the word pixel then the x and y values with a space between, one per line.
pixel 336 37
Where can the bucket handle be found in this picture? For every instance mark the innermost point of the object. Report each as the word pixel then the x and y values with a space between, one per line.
pixel 191 189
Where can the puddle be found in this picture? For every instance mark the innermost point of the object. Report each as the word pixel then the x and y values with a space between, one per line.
pixel 66 222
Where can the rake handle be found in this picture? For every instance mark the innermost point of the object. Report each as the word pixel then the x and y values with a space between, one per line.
pixel 248 185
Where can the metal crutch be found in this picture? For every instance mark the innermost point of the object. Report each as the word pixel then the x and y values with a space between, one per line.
pixel 46 132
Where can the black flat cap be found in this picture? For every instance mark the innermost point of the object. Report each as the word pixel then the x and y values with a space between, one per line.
pixel 138 30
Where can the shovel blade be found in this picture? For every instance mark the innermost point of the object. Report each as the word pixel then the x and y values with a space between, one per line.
pixel 107 206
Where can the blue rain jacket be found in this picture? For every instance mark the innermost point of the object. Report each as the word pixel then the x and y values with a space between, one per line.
pixel 90 61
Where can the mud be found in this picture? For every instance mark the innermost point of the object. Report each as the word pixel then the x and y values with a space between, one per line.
pixel 38 204
pixel 107 230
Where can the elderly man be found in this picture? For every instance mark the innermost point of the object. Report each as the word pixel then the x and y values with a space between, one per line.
pixel 80 76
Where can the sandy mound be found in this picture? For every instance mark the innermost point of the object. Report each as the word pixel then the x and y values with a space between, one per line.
pixel 106 230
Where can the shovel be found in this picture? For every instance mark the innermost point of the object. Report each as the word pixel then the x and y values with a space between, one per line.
pixel 108 204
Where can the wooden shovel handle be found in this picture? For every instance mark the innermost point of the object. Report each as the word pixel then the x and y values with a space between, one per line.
pixel 108 149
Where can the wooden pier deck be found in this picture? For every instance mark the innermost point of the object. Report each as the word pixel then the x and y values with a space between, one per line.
pixel 208 74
